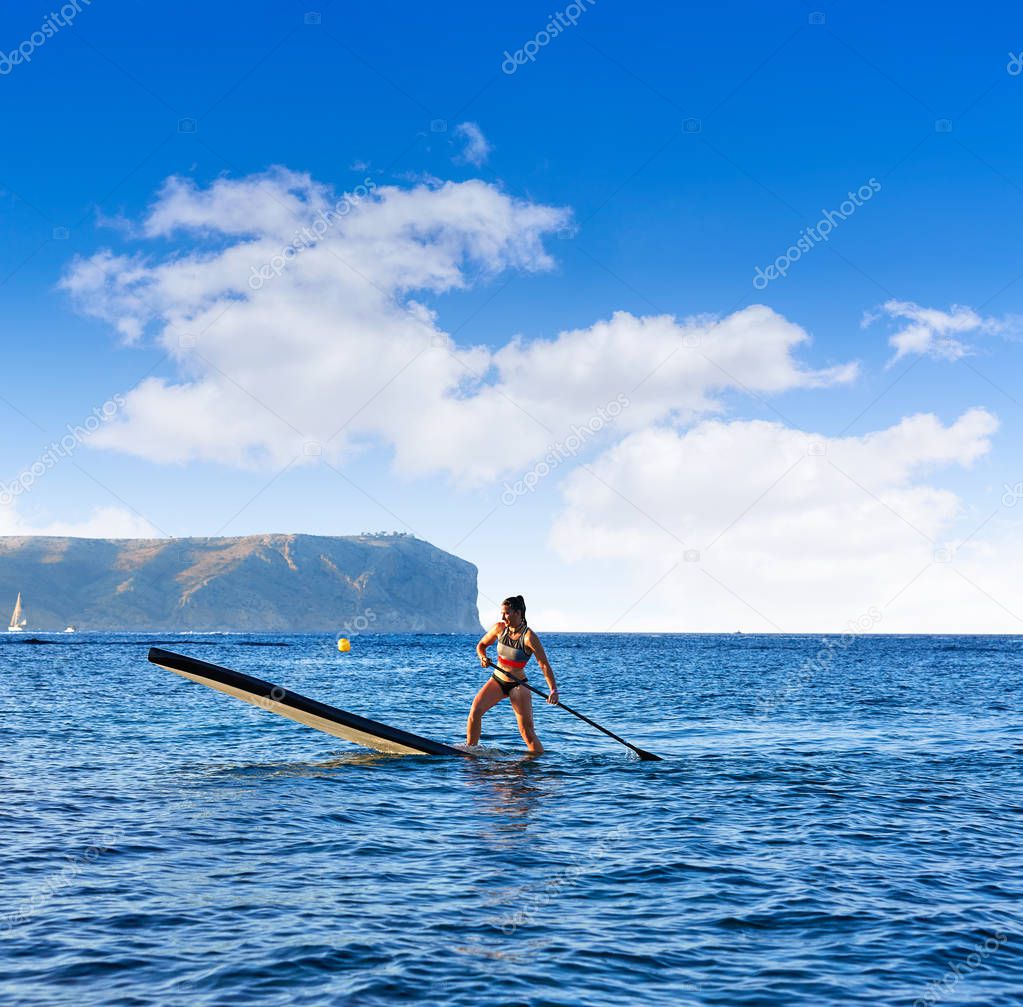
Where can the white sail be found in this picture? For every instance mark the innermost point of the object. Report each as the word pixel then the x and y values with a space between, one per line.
pixel 18 620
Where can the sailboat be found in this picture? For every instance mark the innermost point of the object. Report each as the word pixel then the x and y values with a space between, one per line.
pixel 18 620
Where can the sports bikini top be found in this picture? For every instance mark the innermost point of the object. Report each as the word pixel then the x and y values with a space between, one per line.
pixel 512 654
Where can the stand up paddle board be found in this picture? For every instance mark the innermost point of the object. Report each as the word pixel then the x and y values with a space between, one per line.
pixel 320 716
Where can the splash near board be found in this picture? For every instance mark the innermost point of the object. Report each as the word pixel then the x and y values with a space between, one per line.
pixel 309 712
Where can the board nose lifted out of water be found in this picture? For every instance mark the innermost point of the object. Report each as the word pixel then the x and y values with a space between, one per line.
pixel 285 703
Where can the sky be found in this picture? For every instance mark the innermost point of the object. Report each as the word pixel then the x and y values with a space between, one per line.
pixel 670 318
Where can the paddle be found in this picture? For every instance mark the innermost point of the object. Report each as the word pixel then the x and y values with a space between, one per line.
pixel 644 756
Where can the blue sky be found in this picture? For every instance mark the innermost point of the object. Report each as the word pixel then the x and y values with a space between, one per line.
pixel 786 117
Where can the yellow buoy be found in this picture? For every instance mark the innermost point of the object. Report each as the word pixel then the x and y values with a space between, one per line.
pixel 344 645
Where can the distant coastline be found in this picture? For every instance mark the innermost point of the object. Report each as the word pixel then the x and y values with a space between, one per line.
pixel 371 583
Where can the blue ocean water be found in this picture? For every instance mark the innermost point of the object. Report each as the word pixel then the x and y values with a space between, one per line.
pixel 837 821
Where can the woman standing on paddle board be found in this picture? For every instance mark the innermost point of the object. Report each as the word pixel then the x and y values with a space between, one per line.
pixel 516 643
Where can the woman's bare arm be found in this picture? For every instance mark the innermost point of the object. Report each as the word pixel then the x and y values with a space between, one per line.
pixel 534 644
pixel 486 640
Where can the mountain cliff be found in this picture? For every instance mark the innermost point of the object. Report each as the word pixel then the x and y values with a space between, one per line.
pixel 257 583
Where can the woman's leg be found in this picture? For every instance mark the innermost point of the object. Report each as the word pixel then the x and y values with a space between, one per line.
pixel 488 696
pixel 522 704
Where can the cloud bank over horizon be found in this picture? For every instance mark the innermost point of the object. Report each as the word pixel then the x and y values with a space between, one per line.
pixel 760 526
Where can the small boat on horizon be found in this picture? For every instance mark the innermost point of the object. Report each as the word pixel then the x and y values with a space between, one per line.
pixel 18 620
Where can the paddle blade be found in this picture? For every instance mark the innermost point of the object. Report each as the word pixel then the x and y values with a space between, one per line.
pixel 647 756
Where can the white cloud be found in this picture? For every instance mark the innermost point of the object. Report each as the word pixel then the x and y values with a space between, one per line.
pixel 932 332
pixel 103 522
pixel 336 349
pixel 764 527
pixel 477 148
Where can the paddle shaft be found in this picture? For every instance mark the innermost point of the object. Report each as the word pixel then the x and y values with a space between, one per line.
pixel 645 756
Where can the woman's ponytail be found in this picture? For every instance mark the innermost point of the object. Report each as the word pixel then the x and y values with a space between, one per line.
pixel 517 603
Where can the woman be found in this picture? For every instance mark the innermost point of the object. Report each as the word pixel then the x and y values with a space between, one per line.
pixel 516 643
